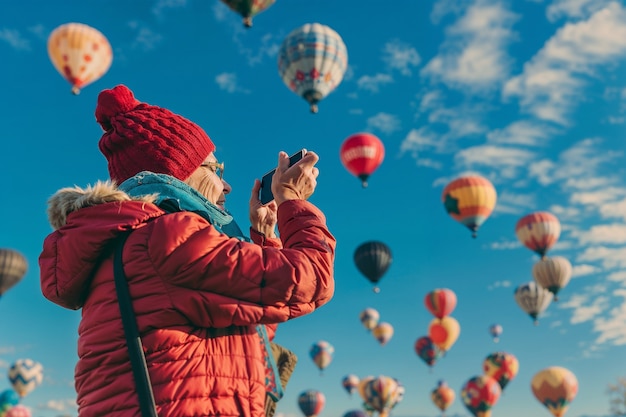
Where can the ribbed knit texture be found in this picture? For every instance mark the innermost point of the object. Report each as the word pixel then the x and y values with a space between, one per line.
pixel 141 137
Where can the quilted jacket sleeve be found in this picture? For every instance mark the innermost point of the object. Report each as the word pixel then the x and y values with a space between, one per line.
pixel 216 281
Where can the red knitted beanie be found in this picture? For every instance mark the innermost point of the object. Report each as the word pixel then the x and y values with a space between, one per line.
pixel 140 137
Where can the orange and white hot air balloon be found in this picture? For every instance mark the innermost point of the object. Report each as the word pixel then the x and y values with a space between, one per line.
pixel 444 332
pixel 383 332
pixel 538 231
pixel 469 200
pixel 80 53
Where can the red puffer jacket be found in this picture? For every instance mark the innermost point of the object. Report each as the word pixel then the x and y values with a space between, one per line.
pixel 197 295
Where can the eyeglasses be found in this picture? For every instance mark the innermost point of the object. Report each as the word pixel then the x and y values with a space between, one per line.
pixel 216 167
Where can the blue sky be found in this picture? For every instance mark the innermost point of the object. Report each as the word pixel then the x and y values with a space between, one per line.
pixel 528 93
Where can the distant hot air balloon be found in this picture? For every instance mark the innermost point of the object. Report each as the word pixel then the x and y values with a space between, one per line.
pixel 248 8
pixel 373 259
pixel 480 394
pixel 369 318
pixel 355 413
pixel 8 399
pixel 442 396
pixel 80 53
pixel 350 383
pixel 312 61
pixel 555 387
pixel 311 402
pixel 383 332
pixel 553 273
pixel 538 231
pixel 533 299
pixel 427 350
pixel 13 267
pixel 361 154
pixel 322 354
pixel 400 395
pixel 501 366
pixel 25 375
pixel 18 411
pixel 469 200
pixel 440 302
pixel 381 393
pixel 444 332
pixel 495 330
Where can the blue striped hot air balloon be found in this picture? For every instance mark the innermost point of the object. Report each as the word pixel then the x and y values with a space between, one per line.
pixel 25 375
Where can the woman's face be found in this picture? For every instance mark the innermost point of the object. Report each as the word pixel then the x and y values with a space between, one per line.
pixel 206 180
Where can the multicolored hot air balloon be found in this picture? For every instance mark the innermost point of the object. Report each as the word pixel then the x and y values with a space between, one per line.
pixel 480 394
pixel 427 350
pixel 80 53
pixel 444 332
pixel 311 402
pixel 469 200
pixel 248 8
pixel 555 387
pixel 312 61
pixel 501 366
pixel 18 411
pixel 322 354
pixel 495 330
pixel 383 332
pixel 442 396
pixel 538 231
pixel 25 375
pixel 533 299
pixel 373 259
pixel 440 302
pixel 8 399
pixel 553 273
pixel 369 318
pixel 350 383
pixel 381 393
pixel 361 154
pixel 13 267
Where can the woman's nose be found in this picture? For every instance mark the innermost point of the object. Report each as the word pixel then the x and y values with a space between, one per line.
pixel 227 187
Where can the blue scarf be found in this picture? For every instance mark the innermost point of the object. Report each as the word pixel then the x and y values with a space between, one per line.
pixel 174 195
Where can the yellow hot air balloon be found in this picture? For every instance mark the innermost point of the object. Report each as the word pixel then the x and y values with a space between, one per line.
pixel 469 200
pixel 444 332
pixel 383 332
pixel 555 387
pixel 80 53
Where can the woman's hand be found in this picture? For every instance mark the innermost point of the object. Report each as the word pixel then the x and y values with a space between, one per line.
pixel 296 182
pixel 263 218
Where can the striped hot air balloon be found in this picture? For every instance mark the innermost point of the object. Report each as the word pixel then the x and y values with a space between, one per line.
pixel 25 375
pixel 248 8
pixel 440 302
pixel 311 402
pixel 533 299
pixel 555 387
pixel 538 231
pixel 13 267
pixel 553 273
pixel 469 200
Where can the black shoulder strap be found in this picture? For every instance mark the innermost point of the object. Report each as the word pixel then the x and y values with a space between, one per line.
pixel 133 340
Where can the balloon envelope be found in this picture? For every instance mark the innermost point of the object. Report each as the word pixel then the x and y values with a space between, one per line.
pixel 355 413
pixel 248 8
pixel 18 411
pixel 25 375
pixel 495 330
pixel 442 396
pixel 381 393
pixel 322 354
pixel 440 302
pixel 480 394
pixel 369 318
pixel 383 332
pixel 427 350
pixel 533 299
pixel 350 383
pixel 8 398
pixel 552 273
pixel 555 387
pixel 312 61
pixel 361 154
pixel 469 200
pixel 501 366
pixel 538 231
pixel 373 259
pixel 311 402
pixel 13 267
pixel 444 332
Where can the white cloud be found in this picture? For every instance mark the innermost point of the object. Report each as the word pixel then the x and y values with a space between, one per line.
pixel 584 308
pixel 576 9
pixel 145 38
pixel 552 81
pixel 59 405
pixel 14 39
pixel 513 203
pixel 609 257
pixel 612 329
pixel 584 269
pixel 499 284
pixel 373 83
pixel 597 198
pixel 400 56
pixel 161 7
pixel 505 245
pixel 565 213
pixel 227 81
pixel 384 122
pixel 524 132
pixel 504 159
pixel 474 54
pixel 614 209
pixel 421 139
pixel 429 163
pixel 619 276
pixel 605 233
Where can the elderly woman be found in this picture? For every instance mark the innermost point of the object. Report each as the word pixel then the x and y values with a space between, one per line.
pixel 199 287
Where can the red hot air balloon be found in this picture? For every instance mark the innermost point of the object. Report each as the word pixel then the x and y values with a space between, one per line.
pixel 440 302
pixel 361 154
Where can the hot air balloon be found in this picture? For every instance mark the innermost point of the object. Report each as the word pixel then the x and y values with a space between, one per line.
pixel 533 299
pixel 8 399
pixel 480 394
pixel 350 383
pixel 355 413
pixel 495 330
pixel 442 396
pixel 501 366
pixel 312 61
pixel 18 411
pixel 427 350
pixel 13 267
pixel 469 200
pixel 80 53
pixel 401 390
pixel 248 8
pixel 444 332
pixel 362 154
pixel 383 332
pixel 538 231
pixel 322 354
pixel 555 387
pixel 373 259
pixel 440 302
pixel 25 375
pixel 553 273
pixel 381 394
pixel 311 402
pixel 369 317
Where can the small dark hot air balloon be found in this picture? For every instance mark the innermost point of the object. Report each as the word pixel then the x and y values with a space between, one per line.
pixel 13 267
pixel 362 154
pixel 248 8
pixel 373 259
